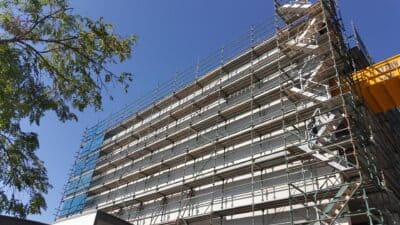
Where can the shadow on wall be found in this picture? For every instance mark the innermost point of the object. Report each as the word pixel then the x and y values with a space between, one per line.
pixel 90 218
pixel 93 218
pixel 6 220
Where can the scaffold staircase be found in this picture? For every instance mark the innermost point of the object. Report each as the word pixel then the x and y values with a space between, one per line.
pixel 158 212
pixel 185 205
pixel 305 40
pixel 337 205
pixel 309 83
pixel 321 126
pixel 293 10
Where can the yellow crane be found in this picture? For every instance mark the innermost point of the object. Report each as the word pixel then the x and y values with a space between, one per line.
pixel 379 84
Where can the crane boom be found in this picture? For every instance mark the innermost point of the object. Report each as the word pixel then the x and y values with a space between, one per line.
pixel 379 84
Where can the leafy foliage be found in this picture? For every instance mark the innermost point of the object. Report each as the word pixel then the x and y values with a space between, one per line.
pixel 50 60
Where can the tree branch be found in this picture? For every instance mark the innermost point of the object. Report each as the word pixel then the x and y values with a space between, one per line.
pixel 42 20
pixel 35 24
pixel 38 54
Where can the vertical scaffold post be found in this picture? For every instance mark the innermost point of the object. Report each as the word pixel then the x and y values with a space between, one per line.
pixel 252 58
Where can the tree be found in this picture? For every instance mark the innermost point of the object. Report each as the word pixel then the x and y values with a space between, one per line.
pixel 51 59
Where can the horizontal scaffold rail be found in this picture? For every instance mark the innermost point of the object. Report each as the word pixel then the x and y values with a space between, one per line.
pixel 321 194
pixel 196 86
pixel 237 137
pixel 291 154
pixel 174 134
pixel 193 85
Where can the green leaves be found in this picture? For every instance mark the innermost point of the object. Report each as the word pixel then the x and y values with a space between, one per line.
pixel 50 60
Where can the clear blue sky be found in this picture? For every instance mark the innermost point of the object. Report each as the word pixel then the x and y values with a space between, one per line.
pixel 172 35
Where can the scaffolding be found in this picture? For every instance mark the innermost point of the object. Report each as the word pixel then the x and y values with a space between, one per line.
pixel 272 133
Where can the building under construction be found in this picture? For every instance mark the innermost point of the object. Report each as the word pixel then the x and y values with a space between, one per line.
pixel 282 126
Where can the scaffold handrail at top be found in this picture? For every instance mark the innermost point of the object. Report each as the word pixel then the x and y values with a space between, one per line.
pixel 258 34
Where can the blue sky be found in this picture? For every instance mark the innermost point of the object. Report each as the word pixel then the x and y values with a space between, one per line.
pixel 173 34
